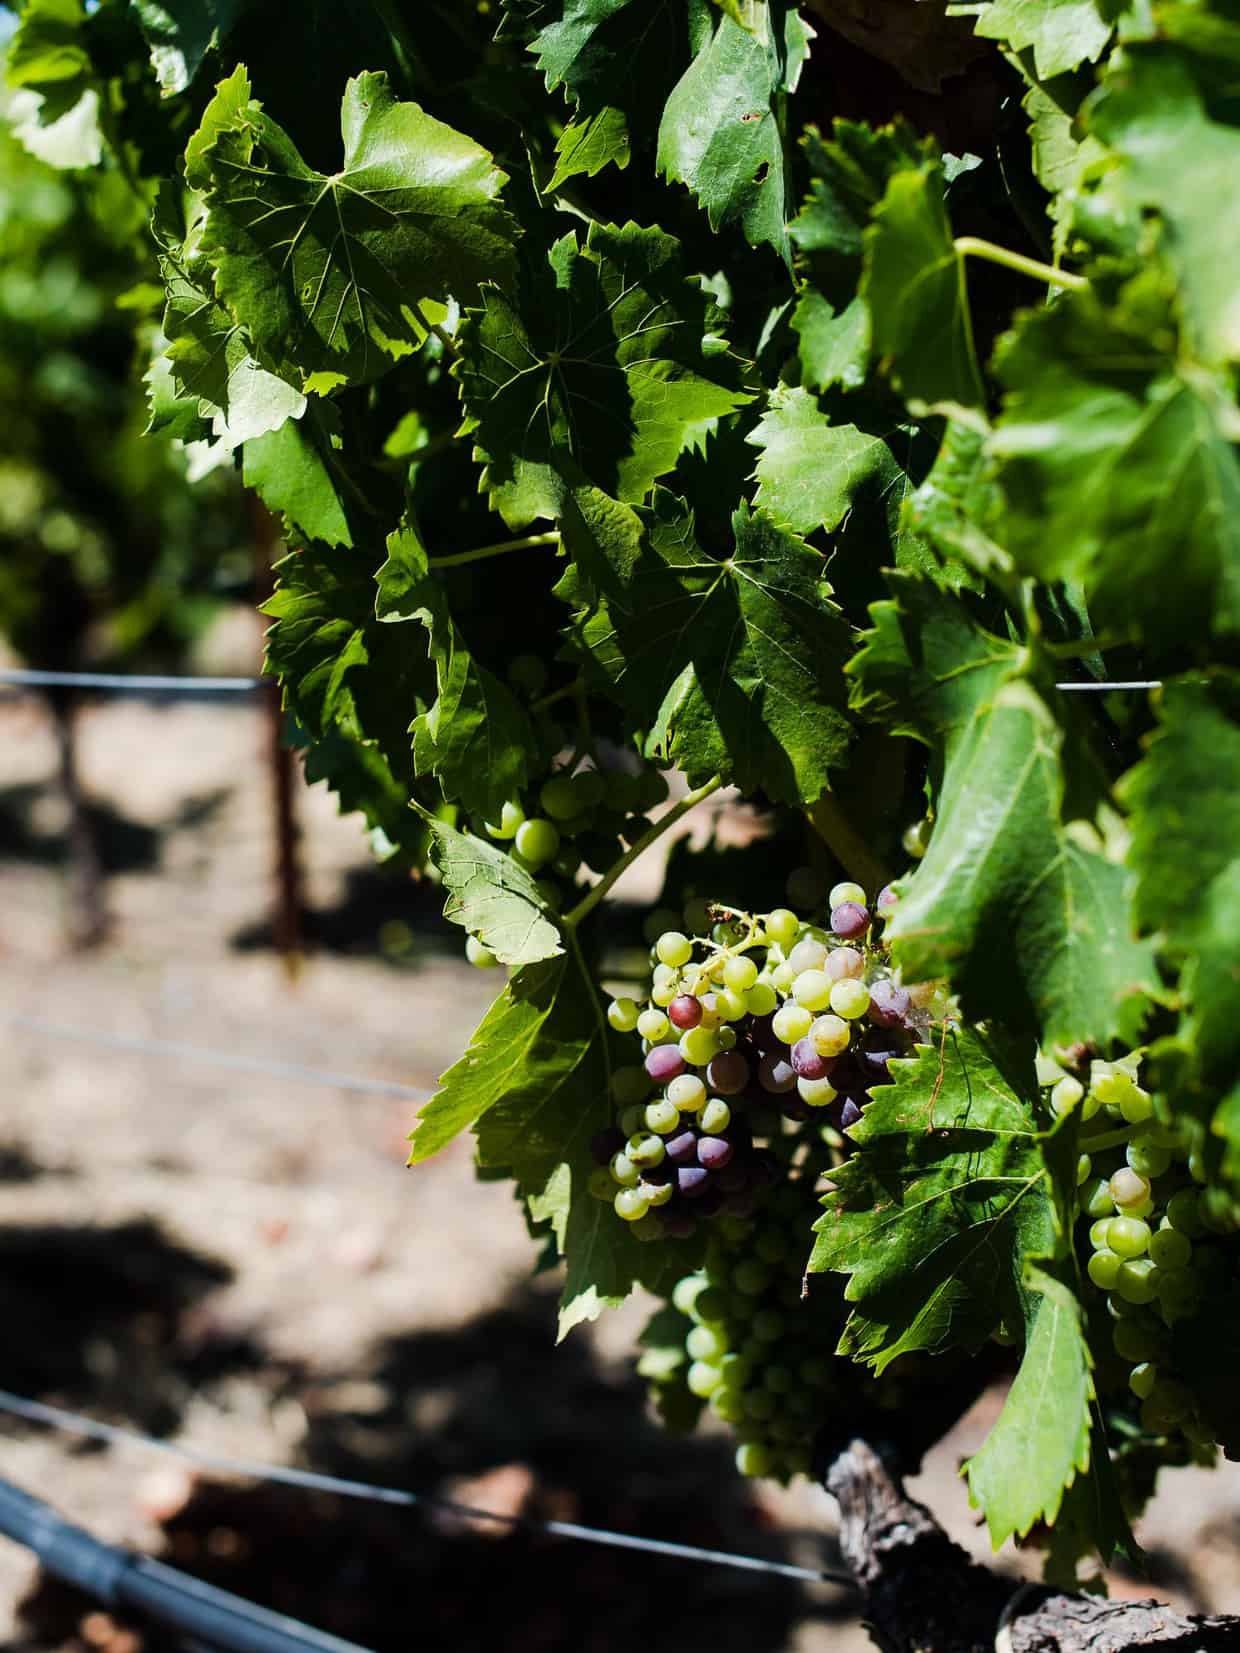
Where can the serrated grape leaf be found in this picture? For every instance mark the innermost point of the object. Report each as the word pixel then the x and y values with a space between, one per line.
pixel 849 173
pixel 955 504
pixel 722 129
pixel 180 33
pixel 327 271
pixel 47 51
pixel 1117 468
pixel 1041 1440
pixel 534 1087
pixel 616 60
pixel 476 739
pixel 1178 161
pixel 493 898
pixel 810 471
pixel 597 368
pixel 1031 927
pixel 920 324
pixel 948 1193
pixel 352 684
pixel 734 666
pixel 291 470
pixel 1185 801
pixel 1063 34
pixel 588 144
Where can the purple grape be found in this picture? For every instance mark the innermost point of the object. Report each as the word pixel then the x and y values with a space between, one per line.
pixel 874 1057
pixel 850 1113
pixel 849 920
pixel 777 1075
pixel 846 1075
pixel 692 1181
pixel 761 1032
pixel 604 1144
pixel 727 1073
pixel 682 1148
pixel 808 1063
pixel 684 1012
pixel 887 901
pixel 889 1004
pixel 714 1153
pixel 664 1062
pixel 845 962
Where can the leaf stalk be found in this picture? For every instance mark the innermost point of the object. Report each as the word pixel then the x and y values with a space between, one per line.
pixel 655 831
pixel 499 549
pixel 972 246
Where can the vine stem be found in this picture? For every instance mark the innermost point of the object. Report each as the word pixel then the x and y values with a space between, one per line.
pixel 499 549
pixel 591 900
pixel 441 333
pixel 973 246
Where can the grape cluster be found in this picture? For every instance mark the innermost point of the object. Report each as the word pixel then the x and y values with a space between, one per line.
pixel 1156 1241
pixel 763 1021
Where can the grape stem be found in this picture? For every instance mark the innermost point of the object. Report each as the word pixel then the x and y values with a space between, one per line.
pixel 499 549
pixel 441 333
pixel 655 831
pixel 1109 1139
pixel 973 245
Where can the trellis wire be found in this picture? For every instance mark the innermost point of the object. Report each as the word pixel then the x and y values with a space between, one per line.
pixel 271 1066
pixel 74 1423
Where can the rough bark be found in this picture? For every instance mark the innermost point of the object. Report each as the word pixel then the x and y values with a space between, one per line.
pixel 923 1594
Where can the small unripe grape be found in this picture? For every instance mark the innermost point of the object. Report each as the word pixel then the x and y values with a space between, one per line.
pixel 560 798
pixel 1136 1340
pixel 702 1379
pixel 1137 1280
pixel 1142 1379
pixel 479 955
pixel 698 1045
pixel 1129 1187
pixel 687 1290
pixel 674 948
pixel 728 1405
pixel 752 1458
pixel 716 1116
pixel 1170 1249
pixel 653 1025
pixel 645 1151
pixel 624 1171
pixel 740 973
pixel 845 962
pixel 1095 1198
pixel 1183 1214
pixel 761 998
pixel 782 926
pixel 511 818
pixel 807 955
pixel 849 999
pixel 791 1022
pixel 1065 1094
pixel 751 1276
pixel 730 1005
pixel 601 1184
pixel 830 1035
pixel 633 1120
pixel 686 1092
pixel 847 891
pixel 1136 1105
pixel 1128 1236
pixel 656 1193
pixel 662 1117
pixel 916 839
pixel 812 988
pixel 1098 1234
pixel 622 1014
pixel 816 1092
pixel 1084 1165
pixel 782 977
pixel 705 1343
pixel 631 1205
pixel 538 840
pixel 768 1325
pixel 1103 1269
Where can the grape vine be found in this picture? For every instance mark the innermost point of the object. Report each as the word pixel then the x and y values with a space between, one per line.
pixel 669 400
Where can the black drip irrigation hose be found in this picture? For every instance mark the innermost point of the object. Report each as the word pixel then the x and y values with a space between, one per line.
pixel 212 1618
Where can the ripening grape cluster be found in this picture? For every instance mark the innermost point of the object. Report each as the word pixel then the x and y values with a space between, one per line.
pixel 762 1020
pixel 1159 1243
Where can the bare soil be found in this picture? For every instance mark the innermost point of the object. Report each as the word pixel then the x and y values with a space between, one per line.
pixel 241 1260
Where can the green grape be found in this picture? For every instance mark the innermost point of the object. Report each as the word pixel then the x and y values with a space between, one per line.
pixel 601 1184
pixel 1169 1403
pixel 1170 1249
pixel 782 977
pixel 846 892
pixel 662 1117
pixel 631 1205
pixel 538 841
pixel 792 1022
pixel 706 1343
pixel 1084 1165
pixel 629 1085
pixel 850 999
pixel 1103 1269
pixel 624 1171
pixel 686 1092
pixel 730 1005
pixel 686 1292
pixel 653 1026
pixel 559 798
pixel 728 1405
pixel 702 1378
pixel 1099 1231
pixel 812 989
pixel 1095 1198
pixel 753 1459
pixel 759 1404
pixel 645 1151
pixel 590 788
pixel 751 1276
pixel 1065 1095
pixel 1184 1215
pixel 782 926
pixel 622 1014
pixel 1136 1340
pixel 512 816
pixel 698 1045
pixel 1147 1158
pixel 657 1193
pixel 1137 1279
pixel 761 998
pixel 716 1116
pixel 740 973
pixel 830 1035
pixel 816 1092
pixel 633 1120
pixel 1128 1236
pixel 1142 1379
pixel 674 948
pixel 652 789
pixel 479 955
pixel 1136 1105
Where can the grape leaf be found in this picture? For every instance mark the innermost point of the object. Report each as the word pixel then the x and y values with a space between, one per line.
pixel 1041 1440
pixel 921 326
pixel 810 471
pixel 598 368
pixel 1180 162
pixel 588 145
pixel 180 33
pixel 1063 34
pixel 1185 802
pixel 493 898
pixel 352 685
pixel 291 469
pixel 733 666
pixel 476 739
pixel 722 128
pixel 1032 927
pixel 533 1085
pixel 946 1196
pixel 327 271
pixel 955 505
pixel 1117 468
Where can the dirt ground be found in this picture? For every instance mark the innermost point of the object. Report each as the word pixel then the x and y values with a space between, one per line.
pixel 241 1261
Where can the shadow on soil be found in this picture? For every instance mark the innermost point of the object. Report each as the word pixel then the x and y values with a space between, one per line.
pixel 489 1413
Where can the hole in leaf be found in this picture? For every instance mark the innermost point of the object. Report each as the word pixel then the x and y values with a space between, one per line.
pixel 763 172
